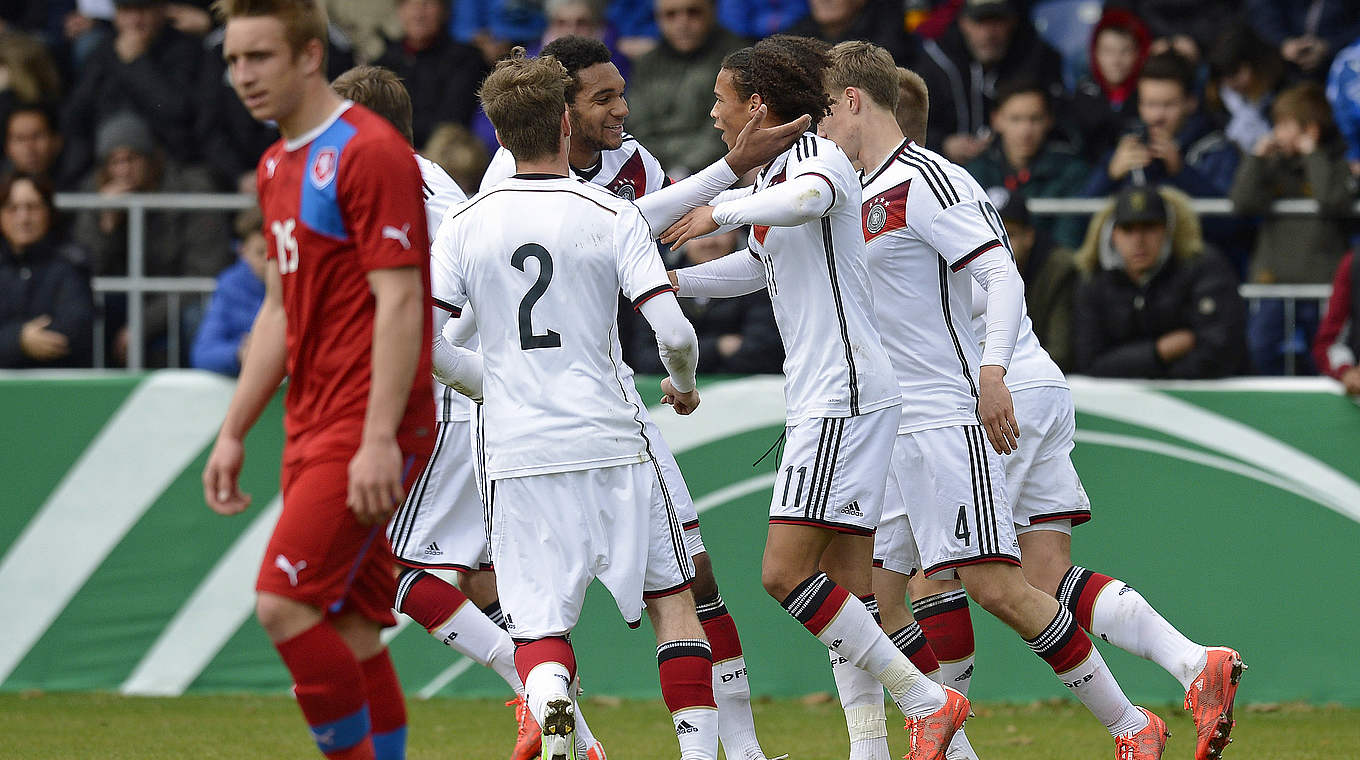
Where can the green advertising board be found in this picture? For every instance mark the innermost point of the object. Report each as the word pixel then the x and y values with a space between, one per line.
pixel 1233 507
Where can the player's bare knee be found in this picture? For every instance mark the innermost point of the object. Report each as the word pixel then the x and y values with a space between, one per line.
pixel 283 618
pixel 1046 574
pixel 705 584
pixel 777 579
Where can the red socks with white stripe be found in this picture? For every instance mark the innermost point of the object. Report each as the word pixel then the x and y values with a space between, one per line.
pixel 731 690
pixel 1066 648
pixel 845 626
pixel 1114 611
pixel 948 626
pixel 686 671
pixel 451 618
pixel 329 687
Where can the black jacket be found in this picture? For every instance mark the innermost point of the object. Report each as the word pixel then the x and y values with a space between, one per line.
pixel 962 91
pixel 44 281
pixel 442 80
pixel 751 316
pixel 879 22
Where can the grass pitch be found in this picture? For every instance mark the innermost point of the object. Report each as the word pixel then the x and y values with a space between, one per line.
pixel 110 727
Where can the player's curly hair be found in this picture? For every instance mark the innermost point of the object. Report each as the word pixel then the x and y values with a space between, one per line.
pixel 525 98
pixel 787 72
pixel 575 52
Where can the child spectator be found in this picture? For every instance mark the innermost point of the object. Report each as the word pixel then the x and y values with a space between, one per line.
pixel 1105 98
pixel 46 307
pixel 1343 92
pixel 1025 156
pixel 1302 157
pixel 1155 301
pixel 1337 343
pixel 220 345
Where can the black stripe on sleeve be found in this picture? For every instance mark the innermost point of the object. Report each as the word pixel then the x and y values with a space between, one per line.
pixel 456 311
pixel 958 266
pixel 933 167
pixel 650 294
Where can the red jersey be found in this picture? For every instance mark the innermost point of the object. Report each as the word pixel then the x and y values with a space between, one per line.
pixel 338 202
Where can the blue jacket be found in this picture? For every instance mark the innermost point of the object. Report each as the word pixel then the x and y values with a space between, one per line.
pixel 754 19
pixel 1208 162
pixel 1343 92
pixel 230 317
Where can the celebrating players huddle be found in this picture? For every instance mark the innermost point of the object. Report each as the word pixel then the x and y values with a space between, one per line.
pixel 927 429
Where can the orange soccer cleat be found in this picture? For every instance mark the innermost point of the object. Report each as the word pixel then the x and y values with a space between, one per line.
pixel 1210 701
pixel 529 740
pixel 929 735
pixel 1146 744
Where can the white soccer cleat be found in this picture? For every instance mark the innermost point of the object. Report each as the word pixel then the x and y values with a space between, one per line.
pixel 559 723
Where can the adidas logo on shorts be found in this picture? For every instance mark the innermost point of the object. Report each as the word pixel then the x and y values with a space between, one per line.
pixel 433 550
pixel 852 509
pixel 684 727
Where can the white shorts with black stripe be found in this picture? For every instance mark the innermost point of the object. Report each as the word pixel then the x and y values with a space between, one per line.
pixel 1045 491
pixel 945 505
pixel 675 486
pixel 442 523
pixel 832 472
pixel 552 534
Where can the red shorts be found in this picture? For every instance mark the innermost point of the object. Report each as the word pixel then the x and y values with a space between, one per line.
pixel 319 554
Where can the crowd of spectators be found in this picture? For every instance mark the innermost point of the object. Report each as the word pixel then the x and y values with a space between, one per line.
pixel 1165 100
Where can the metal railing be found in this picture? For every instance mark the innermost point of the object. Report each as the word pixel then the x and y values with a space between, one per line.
pixel 136 285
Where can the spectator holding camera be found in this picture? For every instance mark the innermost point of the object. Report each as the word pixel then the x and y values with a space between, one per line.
pixel 224 334
pixel 1025 156
pixel 1303 156
pixel 46 307
pixel 1171 143
pixel 1155 301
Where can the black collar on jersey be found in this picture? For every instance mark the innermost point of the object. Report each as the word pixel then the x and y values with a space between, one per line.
pixel 588 174
pixel 540 175
pixel 864 182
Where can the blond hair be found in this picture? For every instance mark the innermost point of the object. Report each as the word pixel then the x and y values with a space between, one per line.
pixel 303 20
pixel 913 105
pixel 866 67
pixel 379 90
pixel 525 98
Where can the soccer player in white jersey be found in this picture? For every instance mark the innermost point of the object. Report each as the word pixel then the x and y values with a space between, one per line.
pixel 441 523
pixel 930 231
pixel 841 397
pixel 603 154
pixel 575 492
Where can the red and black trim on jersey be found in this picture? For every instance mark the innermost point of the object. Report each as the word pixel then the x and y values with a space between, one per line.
pixel 980 559
pixel 456 311
pixel 652 293
pixel 1077 516
pixel 968 258
pixel 866 181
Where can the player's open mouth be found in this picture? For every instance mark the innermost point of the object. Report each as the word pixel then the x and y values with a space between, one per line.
pixel 614 128
pixel 253 101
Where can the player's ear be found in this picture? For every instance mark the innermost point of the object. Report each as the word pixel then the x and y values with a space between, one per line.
pixel 566 123
pixel 499 141
pixel 754 102
pixel 852 100
pixel 313 55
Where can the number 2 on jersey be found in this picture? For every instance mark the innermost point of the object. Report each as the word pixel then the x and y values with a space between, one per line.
pixel 527 339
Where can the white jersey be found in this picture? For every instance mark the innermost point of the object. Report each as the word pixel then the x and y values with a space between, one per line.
pixel 924 218
pixel 835 364
pixel 630 171
pixel 1031 366
pixel 542 260
pixel 442 193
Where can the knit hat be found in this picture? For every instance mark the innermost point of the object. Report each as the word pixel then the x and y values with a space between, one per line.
pixel 123 130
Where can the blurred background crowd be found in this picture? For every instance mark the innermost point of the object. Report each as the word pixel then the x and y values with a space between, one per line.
pixel 1152 105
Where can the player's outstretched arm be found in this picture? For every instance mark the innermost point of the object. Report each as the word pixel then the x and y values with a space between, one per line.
pixel 755 145
pixel 735 274
pixel 375 483
pixel 679 350
pixel 263 370
pixel 788 204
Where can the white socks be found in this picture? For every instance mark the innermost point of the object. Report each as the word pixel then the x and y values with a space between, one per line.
pixel 1123 617
pixel 696 728
pixel 865 719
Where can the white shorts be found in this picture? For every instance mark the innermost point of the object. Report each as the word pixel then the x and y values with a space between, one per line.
pixel 945 505
pixel 832 472
pixel 442 523
pixel 553 534
pixel 675 485
pixel 1042 483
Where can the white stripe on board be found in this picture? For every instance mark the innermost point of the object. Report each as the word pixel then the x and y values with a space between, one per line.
pixel 727 409
pixel 445 678
pixel 209 618
pixel 142 449
pixel 735 491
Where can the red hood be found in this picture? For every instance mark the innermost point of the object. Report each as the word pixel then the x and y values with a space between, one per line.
pixel 1118 18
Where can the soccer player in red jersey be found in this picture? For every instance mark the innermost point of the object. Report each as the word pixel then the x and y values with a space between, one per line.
pixel 346 317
